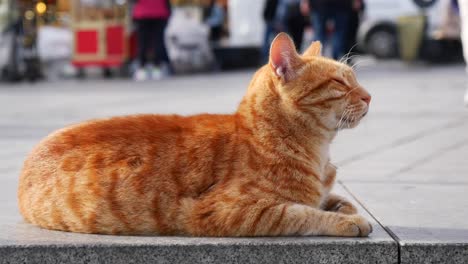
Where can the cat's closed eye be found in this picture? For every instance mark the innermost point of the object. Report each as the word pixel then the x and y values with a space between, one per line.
pixel 339 81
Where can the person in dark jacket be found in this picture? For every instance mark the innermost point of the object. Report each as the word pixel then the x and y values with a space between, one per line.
pixel 271 26
pixel 151 17
pixel 353 26
pixel 295 22
pixel 215 19
pixel 336 11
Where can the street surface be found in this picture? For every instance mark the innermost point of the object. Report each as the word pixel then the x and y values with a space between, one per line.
pixel 406 163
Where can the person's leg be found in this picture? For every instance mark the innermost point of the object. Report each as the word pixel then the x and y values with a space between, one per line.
pixel 161 58
pixel 463 4
pixel 300 39
pixel 351 36
pixel 165 55
pixel 160 45
pixel 216 33
pixel 339 36
pixel 319 20
pixel 352 31
pixel 296 29
pixel 269 31
pixel 144 37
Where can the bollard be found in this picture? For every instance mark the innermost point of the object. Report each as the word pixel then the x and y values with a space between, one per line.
pixel 410 35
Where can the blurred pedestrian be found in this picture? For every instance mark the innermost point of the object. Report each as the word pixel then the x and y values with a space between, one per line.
pixel 283 15
pixel 289 18
pixel 271 26
pixel 151 17
pixel 463 6
pixel 295 22
pixel 215 19
pixel 354 22
pixel 336 11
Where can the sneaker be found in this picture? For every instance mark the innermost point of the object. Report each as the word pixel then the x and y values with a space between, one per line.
pixel 155 73
pixel 140 75
pixel 166 70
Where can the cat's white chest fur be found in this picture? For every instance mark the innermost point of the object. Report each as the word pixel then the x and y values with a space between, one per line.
pixel 324 153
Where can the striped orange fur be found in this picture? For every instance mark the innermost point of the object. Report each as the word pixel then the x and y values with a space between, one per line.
pixel 262 171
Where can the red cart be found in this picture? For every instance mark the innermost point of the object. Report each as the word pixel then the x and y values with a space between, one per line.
pixel 101 35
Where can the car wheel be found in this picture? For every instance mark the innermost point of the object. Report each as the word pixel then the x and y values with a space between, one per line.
pixel 424 3
pixel 382 43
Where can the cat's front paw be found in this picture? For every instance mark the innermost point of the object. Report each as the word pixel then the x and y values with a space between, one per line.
pixel 344 207
pixel 354 226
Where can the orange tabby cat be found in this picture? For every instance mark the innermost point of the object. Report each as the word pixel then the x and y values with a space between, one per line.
pixel 263 171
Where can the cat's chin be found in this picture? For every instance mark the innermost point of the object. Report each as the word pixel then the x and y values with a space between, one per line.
pixel 347 124
pixel 353 124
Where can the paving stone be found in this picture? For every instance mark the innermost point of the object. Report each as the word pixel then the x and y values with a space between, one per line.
pixel 21 242
pixel 406 163
pixel 392 162
pixel 428 220
pixel 369 137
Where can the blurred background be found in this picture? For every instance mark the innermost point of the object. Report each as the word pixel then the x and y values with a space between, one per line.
pixel 147 40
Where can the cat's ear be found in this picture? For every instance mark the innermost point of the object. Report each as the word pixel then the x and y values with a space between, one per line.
pixel 315 49
pixel 283 57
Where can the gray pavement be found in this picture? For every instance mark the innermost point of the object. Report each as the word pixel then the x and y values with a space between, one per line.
pixel 405 165
pixel 24 243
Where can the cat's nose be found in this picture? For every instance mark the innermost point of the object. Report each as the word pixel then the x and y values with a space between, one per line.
pixel 366 98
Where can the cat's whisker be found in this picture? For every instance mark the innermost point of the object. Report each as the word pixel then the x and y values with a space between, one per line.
pixel 353 119
pixel 346 119
pixel 352 47
pixel 338 126
pixel 353 110
pixel 361 63
pixel 354 56
pixel 351 107
pixel 346 57
pixel 350 91
pixel 349 116
pixel 345 60
pixel 339 122
pixel 344 116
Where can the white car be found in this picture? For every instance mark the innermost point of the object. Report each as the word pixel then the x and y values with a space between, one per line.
pixel 378 33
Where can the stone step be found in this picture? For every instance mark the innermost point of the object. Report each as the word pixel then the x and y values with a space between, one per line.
pixel 23 243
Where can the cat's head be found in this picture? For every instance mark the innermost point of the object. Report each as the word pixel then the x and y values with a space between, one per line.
pixel 315 86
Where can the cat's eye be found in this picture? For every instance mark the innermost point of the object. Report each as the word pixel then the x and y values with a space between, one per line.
pixel 340 82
